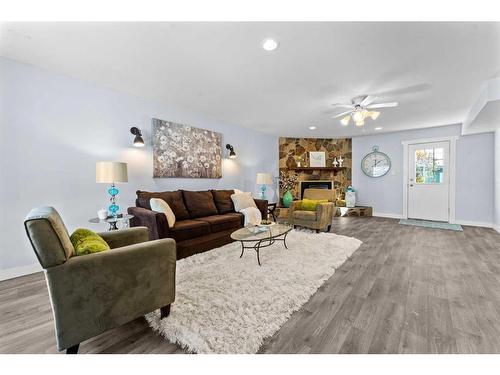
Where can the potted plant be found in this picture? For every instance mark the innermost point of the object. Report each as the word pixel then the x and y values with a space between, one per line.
pixel 287 182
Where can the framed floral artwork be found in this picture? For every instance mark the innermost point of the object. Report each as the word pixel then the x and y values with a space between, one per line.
pixel 185 151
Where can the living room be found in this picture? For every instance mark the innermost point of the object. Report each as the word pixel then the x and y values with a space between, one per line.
pixel 250 187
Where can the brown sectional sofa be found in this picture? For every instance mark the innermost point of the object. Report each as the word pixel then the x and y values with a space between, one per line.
pixel 204 219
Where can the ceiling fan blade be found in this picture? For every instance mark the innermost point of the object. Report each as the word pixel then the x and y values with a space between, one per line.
pixel 369 99
pixel 341 105
pixel 382 105
pixel 342 114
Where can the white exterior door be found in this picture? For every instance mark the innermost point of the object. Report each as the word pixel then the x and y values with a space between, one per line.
pixel 429 181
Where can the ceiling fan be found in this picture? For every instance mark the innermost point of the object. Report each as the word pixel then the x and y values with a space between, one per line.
pixel 360 109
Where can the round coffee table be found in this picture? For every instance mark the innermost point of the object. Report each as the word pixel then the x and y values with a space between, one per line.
pixel 268 236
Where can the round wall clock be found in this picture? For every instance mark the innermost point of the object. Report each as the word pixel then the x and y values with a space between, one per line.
pixel 376 163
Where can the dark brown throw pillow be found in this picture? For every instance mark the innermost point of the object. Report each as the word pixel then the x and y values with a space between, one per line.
pixel 173 198
pixel 199 203
pixel 223 201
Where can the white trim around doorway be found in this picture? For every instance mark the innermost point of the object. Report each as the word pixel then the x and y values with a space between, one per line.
pixel 453 152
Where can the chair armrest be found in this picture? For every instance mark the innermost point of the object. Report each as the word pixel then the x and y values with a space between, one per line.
pixel 324 213
pixel 156 222
pixel 262 206
pixel 125 237
pixel 93 293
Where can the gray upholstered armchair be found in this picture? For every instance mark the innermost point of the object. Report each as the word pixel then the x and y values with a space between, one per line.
pixel 93 293
pixel 321 219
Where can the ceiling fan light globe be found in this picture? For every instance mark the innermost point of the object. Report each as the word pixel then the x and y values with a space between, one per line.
pixel 345 120
pixel 358 116
pixel 374 115
pixel 360 123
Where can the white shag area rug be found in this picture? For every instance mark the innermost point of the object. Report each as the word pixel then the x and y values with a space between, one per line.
pixel 225 304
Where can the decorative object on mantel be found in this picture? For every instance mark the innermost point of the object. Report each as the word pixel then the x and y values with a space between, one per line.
pixel 350 197
pixel 287 182
pixel 110 172
pixel 341 161
pixel 335 163
pixel 264 179
pixel 317 159
pixel 376 163
pixel 299 160
pixel 138 141
pixel 232 154
pixel 185 151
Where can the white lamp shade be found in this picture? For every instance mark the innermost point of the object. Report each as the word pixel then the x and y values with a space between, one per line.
pixel 264 179
pixel 110 172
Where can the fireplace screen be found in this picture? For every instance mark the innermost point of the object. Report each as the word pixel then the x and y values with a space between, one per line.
pixel 314 185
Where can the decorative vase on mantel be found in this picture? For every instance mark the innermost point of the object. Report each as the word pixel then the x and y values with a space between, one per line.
pixel 287 199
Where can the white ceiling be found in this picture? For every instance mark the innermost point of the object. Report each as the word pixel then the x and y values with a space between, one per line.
pixel 434 70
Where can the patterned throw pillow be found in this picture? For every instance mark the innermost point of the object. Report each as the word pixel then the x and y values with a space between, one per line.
pixel 86 241
pixel 311 204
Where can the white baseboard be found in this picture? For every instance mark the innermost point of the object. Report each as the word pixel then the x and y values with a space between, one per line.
pixel 497 228
pixel 11 273
pixel 474 223
pixel 389 216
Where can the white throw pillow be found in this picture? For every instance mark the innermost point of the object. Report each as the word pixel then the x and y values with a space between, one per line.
pixel 237 191
pixel 159 205
pixel 242 200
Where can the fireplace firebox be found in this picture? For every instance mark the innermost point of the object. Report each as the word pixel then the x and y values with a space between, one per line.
pixel 314 184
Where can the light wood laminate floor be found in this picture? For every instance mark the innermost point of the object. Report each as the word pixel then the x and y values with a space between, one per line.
pixel 406 290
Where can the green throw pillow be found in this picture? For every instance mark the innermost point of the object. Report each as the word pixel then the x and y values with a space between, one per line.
pixel 86 241
pixel 310 204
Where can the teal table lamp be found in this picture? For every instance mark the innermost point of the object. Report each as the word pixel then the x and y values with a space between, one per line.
pixel 111 172
pixel 264 179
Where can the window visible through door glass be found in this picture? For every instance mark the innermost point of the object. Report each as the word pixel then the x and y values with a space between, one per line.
pixel 429 166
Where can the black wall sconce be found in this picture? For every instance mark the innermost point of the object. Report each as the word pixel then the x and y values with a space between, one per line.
pixel 138 141
pixel 232 154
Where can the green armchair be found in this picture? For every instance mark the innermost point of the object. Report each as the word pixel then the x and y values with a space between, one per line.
pixel 93 293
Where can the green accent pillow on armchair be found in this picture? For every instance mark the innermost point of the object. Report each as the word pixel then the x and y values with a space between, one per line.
pixel 86 241
pixel 310 204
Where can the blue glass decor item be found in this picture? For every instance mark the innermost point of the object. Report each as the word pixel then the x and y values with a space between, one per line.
pixel 263 189
pixel 113 207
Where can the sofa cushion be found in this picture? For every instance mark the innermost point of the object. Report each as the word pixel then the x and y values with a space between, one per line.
pixel 199 203
pixel 223 202
pixel 305 215
pixel 219 223
pixel 173 198
pixel 186 229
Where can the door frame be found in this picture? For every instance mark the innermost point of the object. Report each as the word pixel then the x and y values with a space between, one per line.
pixel 452 170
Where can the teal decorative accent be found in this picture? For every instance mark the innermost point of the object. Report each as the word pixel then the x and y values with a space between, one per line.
pixel 113 208
pixel 263 191
pixel 431 224
pixel 287 198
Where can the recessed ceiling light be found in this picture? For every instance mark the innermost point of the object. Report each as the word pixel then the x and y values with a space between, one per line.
pixel 269 44
pixel 312 127
pixel 378 128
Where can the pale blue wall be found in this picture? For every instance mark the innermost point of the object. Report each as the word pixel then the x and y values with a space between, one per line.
pixel 497 180
pixel 474 178
pixel 53 130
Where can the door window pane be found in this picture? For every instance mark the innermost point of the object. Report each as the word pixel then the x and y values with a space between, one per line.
pixel 429 166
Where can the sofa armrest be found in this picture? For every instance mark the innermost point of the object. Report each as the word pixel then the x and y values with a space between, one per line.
pixel 93 293
pixel 125 237
pixel 262 206
pixel 156 222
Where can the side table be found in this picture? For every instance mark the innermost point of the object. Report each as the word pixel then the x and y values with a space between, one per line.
pixel 112 221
